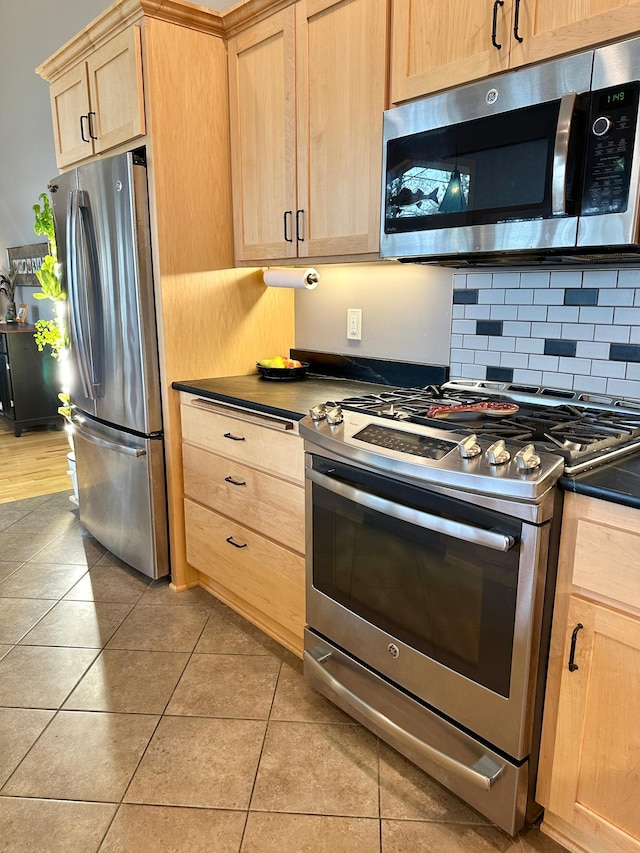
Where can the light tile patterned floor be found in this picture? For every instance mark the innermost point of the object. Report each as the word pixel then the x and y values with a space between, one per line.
pixel 135 720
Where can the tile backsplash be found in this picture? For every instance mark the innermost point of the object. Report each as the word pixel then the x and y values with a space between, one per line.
pixel 570 329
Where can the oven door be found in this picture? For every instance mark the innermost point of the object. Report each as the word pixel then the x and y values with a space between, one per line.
pixel 494 166
pixel 440 596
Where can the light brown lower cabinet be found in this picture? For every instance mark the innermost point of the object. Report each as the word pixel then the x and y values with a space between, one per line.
pixel 244 513
pixel 589 779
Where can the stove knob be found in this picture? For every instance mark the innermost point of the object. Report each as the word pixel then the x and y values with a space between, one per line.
pixel 526 459
pixel 317 412
pixel 469 447
pixel 334 415
pixel 497 454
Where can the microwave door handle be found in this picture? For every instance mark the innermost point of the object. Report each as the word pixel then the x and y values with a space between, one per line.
pixel 458 530
pixel 78 325
pixel 561 155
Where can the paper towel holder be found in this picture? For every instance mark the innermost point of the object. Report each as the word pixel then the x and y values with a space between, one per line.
pixel 291 277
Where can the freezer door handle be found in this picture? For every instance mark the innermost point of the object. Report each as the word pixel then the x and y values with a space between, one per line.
pixel 85 314
pixel 108 445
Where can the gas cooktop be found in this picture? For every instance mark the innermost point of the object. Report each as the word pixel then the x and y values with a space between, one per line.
pixel 473 435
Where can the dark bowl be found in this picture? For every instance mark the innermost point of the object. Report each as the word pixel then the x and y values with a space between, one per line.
pixel 283 373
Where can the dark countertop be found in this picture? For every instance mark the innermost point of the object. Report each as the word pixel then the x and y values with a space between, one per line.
pixel 616 482
pixel 291 398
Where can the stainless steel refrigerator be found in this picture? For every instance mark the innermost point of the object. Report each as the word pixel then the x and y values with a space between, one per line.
pixel 101 213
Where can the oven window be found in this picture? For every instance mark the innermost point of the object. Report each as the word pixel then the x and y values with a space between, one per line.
pixel 483 171
pixel 448 598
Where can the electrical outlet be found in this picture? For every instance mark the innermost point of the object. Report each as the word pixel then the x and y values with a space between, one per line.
pixel 354 324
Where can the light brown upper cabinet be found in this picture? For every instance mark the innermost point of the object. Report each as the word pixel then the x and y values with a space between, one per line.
pixel 307 94
pixel 438 45
pixel 98 104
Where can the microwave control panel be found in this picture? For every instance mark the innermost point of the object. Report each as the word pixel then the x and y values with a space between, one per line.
pixel 611 132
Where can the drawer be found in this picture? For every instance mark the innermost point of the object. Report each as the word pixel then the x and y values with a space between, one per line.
pixel 606 547
pixel 268 504
pixel 271 448
pixel 255 575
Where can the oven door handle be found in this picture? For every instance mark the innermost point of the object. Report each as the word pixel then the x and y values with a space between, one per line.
pixel 483 773
pixel 458 530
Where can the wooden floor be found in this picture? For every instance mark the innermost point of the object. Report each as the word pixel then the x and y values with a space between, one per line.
pixel 34 464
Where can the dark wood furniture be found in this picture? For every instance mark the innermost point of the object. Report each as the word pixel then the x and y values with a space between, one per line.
pixel 29 380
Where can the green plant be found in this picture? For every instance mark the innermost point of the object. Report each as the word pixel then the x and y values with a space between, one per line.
pixel 8 285
pixel 52 332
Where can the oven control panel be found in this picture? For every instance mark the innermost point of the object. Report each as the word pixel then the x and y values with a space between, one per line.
pixel 427 446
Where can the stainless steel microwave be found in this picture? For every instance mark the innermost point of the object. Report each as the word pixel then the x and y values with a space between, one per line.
pixel 533 165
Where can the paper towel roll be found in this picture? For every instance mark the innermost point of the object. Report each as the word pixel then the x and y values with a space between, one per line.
pixel 291 277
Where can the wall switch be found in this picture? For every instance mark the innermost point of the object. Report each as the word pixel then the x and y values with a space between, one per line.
pixel 354 324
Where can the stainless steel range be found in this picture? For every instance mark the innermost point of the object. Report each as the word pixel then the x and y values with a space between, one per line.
pixel 433 518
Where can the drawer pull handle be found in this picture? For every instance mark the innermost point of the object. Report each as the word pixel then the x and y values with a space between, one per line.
pixel 234 437
pixel 574 636
pixel 234 482
pixel 235 544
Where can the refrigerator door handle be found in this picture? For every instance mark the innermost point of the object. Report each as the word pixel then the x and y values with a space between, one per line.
pixel 84 313
pixel 109 445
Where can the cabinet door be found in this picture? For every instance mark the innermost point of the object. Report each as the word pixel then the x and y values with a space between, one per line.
pixel 549 28
pixel 597 758
pixel 69 96
pixel 438 45
pixel 116 94
pixel 340 99
pixel 262 117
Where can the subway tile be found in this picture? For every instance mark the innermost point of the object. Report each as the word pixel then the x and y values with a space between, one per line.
pixel 626 388
pixel 465 297
pixel 579 331
pixel 522 297
pixel 473 371
pixel 582 296
pixel 600 278
pixel 459 281
pixel 492 297
pixel 506 280
pixel 516 329
pixel 537 313
pixel 575 365
pixel 463 356
pixel 600 315
pixel 476 342
pixel 455 369
pixel 530 345
pixel 543 362
pixel 629 278
pixel 481 280
pixel 592 349
pixel 503 312
pixel 548 297
pixel 610 369
pixel 562 314
pixel 566 278
pixel 527 377
pixel 502 344
pixel 456 341
pixel 591 384
pixel 486 357
pixel 559 347
pixel 558 380
pixel 622 296
pixel 626 316
pixel 514 359
pixel 547 330
pixel 491 328
pixel 499 374
pixel 457 312
pixel 535 279
pixel 634 335
pixel 477 312
pixel 613 334
pixel 633 371
pixel 463 327
pixel 625 352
